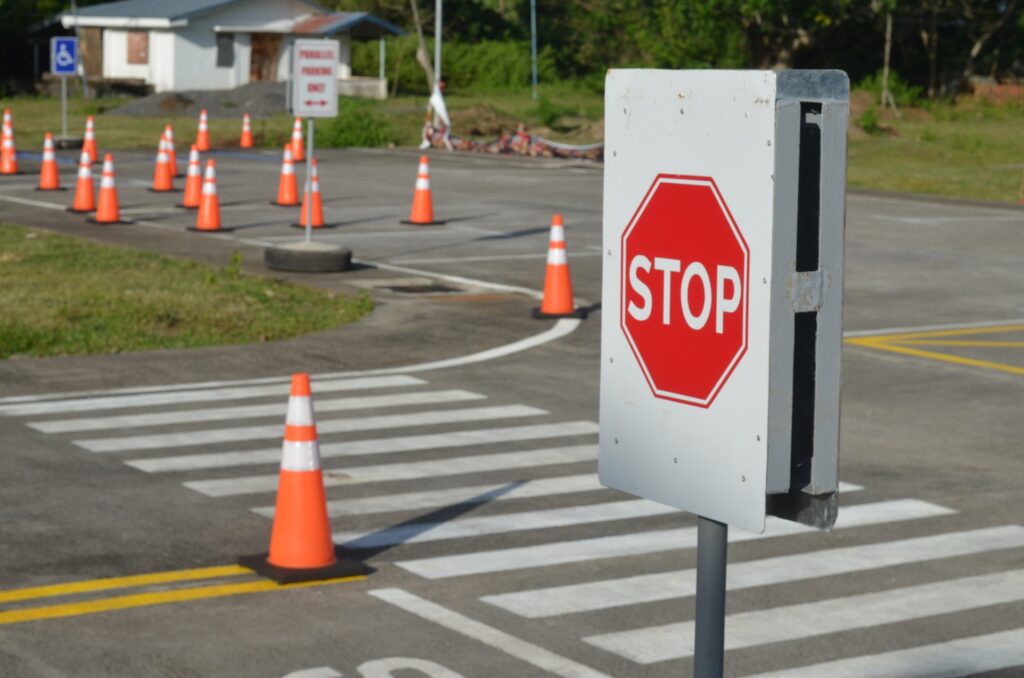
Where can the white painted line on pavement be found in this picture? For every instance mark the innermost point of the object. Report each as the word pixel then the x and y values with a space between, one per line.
pixel 534 655
pixel 467 494
pixel 962 657
pixel 34 203
pixel 493 257
pixel 250 411
pixel 412 443
pixel 503 523
pixel 189 393
pixel 350 425
pixel 558 553
pixel 930 328
pixel 806 620
pixel 611 593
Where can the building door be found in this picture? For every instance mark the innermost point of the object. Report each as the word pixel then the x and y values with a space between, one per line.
pixel 265 51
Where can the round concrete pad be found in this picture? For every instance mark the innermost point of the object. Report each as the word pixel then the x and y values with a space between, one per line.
pixel 308 257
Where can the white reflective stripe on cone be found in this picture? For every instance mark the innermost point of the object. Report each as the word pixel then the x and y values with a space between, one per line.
pixel 557 234
pixel 300 411
pixel 557 256
pixel 422 183
pixel 424 169
pixel 300 456
pixel 107 181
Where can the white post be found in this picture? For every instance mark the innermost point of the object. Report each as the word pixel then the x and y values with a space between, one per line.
pixel 380 71
pixel 64 106
pixel 533 43
pixel 439 9
pixel 309 180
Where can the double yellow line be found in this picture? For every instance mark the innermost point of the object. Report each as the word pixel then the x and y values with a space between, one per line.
pixel 908 343
pixel 123 602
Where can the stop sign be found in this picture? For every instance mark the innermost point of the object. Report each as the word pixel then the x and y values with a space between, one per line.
pixel 684 283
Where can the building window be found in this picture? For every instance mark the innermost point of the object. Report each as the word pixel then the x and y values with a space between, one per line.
pixel 225 50
pixel 138 47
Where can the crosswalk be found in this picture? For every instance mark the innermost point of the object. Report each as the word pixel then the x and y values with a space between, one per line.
pixel 448 483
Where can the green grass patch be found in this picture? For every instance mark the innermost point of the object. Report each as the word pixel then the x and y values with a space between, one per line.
pixel 66 296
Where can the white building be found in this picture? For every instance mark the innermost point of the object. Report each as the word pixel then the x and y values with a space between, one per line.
pixel 177 45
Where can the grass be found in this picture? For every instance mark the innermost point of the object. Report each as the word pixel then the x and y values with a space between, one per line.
pixel 969 150
pixel 66 296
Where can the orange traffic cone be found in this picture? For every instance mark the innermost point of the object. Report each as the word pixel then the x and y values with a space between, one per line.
pixel 316 206
pixel 8 154
pixel 246 141
pixel 108 211
pixel 89 142
pixel 162 182
pixel 287 187
pixel 172 158
pixel 49 178
pixel 298 149
pixel 422 203
pixel 193 181
pixel 208 218
pixel 203 135
pixel 85 198
pixel 300 540
pixel 558 300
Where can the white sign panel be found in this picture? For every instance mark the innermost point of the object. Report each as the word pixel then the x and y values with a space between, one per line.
pixel 315 78
pixel 722 290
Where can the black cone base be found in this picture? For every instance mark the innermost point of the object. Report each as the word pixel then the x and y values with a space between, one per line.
pixel 283 575
pixel 222 229
pixel 303 226
pixel 92 220
pixel 283 204
pixel 577 313
pixel 407 222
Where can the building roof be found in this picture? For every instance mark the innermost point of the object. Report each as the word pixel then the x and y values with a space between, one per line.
pixel 149 13
pixel 357 24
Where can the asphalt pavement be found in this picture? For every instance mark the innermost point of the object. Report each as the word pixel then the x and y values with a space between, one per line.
pixel 459 443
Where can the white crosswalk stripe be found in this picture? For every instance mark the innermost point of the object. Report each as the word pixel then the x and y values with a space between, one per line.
pixel 793 622
pixel 522 488
pixel 560 553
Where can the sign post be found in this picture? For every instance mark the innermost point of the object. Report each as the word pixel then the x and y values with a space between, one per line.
pixel 724 209
pixel 64 64
pixel 314 94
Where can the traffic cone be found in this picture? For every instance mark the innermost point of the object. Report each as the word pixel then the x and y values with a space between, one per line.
pixel 172 158
pixel 208 218
pixel 8 154
pixel 298 149
pixel 246 141
pixel 108 211
pixel 85 197
pixel 193 181
pixel 300 540
pixel 558 300
pixel 89 142
pixel 162 182
pixel 203 135
pixel 49 178
pixel 287 187
pixel 317 204
pixel 422 204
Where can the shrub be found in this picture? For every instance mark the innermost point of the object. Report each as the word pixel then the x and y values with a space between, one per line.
pixel 355 125
pixel 868 120
pixel 904 93
pixel 548 113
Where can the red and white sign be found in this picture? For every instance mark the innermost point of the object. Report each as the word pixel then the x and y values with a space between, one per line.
pixel 315 78
pixel 684 288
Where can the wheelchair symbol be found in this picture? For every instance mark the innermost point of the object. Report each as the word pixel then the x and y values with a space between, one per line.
pixel 64 58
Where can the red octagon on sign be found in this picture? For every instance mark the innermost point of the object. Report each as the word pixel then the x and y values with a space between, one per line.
pixel 684 280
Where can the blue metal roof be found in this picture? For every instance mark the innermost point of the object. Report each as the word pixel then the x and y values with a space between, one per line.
pixel 158 9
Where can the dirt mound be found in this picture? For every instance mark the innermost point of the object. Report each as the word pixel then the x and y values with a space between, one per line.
pixel 258 99
pixel 482 121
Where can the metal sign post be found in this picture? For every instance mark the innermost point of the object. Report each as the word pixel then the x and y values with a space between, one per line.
pixel 309 179
pixel 64 64
pixel 724 210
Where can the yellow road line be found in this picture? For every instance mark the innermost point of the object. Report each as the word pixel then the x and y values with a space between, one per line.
pixel 959 342
pixel 994 329
pixel 875 342
pixel 121 582
pixel 156 598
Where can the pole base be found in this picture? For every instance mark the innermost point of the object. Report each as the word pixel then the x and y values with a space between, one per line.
pixel 580 313
pixel 407 222
pixel 68 142
pixel 285 575
pixel 308 257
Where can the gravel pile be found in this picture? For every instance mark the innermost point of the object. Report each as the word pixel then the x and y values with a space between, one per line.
pixel 258 99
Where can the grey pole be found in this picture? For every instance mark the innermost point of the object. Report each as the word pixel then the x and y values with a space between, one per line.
pixel 438 11
pixel 533 43
pixel 380 70
pixel 309 179
pixel 64 106
pixel 709 628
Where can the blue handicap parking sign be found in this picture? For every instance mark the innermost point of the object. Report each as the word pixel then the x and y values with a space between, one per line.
pixel 64 56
